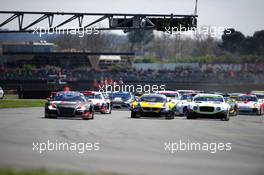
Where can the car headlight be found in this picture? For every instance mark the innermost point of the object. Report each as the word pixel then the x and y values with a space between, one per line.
pixel 195 108
pixel 52 107
pixel 255 105
pixel 218 109
pixel 81 108
pixel 165 107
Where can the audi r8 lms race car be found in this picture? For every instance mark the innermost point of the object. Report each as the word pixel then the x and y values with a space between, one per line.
pixel 69 104
pixel 100 102
pixel 250 104
pixel 208 106
pixel 153 105
pixel 121 100
pixel 172 96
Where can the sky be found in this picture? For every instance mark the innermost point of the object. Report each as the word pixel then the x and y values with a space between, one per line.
pixel 243 15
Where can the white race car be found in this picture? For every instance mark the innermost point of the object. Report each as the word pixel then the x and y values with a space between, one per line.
pixel 181 107
pixel 2 93
pixel 121 100
pixel 208 106
pixel 182 92
pixel 249 104
pixel 172 96
pixel 101 104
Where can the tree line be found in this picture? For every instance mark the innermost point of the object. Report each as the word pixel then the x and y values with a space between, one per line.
pixel 232 47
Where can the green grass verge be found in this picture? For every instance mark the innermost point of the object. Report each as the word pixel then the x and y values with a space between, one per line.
pixel 21 103
pixel 33 172
pixel 11 96
pixel 42 172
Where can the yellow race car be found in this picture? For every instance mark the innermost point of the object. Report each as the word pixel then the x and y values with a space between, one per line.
pixel 153 105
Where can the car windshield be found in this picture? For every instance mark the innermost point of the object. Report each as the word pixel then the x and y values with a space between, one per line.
pixel 233 97
pixel 93 96
pixel 247 98
pixel 185 92
pixel 260 96
pixel 171 95
pixel 69 97
pixel 124 96
pixel 186 97
pixel 152 99
pixel 226 98
pixel 209 99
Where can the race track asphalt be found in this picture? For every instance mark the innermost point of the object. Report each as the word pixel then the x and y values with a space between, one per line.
pixel 132 146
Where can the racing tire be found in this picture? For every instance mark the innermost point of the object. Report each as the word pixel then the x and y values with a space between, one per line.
pixel 190 116
pixel 92 115
pixel 185 111
pixel 91 110
pixel 90 118
pixel 134 115
pixel 226 118
pixel 47 117
pixel 109 109
pixel 235 113
pixel 170 116
pixel 259 112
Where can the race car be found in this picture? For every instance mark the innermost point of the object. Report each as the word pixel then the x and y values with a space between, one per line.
pixel 181 107
pixel 2 94
pixel 233 105
pixel 234 95
pixel 260 96
pixel 121 100
pixel 208 106
pixel 101 103
pixel 69 104
pixel 172 96
pixel 249 103
pixel 182 92
pixel 153 105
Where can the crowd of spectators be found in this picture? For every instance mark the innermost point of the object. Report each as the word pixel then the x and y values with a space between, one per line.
pixel 182 75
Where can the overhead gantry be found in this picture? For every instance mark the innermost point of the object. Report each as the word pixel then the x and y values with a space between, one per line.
pixel 113 21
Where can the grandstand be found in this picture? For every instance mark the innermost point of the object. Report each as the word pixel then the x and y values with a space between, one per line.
pixel 43 54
